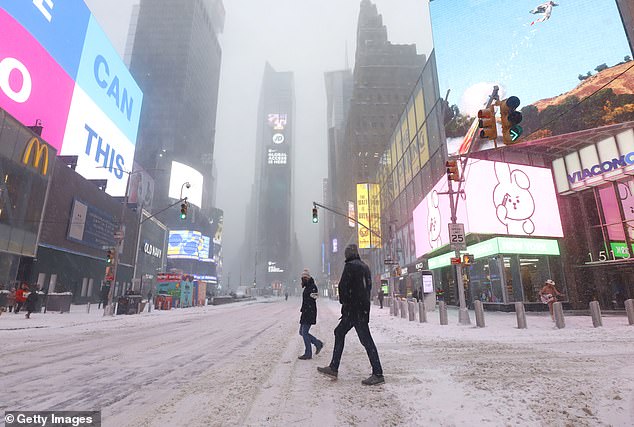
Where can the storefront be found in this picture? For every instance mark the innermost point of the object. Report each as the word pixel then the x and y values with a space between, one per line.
pixel 151 253
pixel 596 187
pixel 26 167
pixel 504 270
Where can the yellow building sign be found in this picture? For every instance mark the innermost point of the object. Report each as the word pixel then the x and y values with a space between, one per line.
pixel 369 216
pixel 363 216
pixel 40 157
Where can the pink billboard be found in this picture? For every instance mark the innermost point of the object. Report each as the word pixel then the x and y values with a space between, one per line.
pixel 499 198
pixel 32 85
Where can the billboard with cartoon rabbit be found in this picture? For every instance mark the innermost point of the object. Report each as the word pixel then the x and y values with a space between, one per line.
pixel 499 198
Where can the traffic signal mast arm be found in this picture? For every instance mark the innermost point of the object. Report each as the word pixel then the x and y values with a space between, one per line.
pixel 344 215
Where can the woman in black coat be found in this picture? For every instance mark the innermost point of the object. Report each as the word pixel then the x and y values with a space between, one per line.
pixel 309 316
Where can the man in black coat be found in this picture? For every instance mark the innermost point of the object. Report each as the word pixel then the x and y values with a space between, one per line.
pixel 309 316
pixel 354 295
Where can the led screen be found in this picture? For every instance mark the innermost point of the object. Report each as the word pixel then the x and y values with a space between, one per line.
pixel 58 66
pixel 182 174
pixel 184 244
pixel 549 54
pixel 499 198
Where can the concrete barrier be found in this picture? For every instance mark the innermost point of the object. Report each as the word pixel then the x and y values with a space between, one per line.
pixel 629 309
pixel 479 313
pixel 412 310
pixel 395 304
pixel 558 311
pixel 520 313
pixel 422 312
pixel 595 312
pixel 442 311
pixel 403 309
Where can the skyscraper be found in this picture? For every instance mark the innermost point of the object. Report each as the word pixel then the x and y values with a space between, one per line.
pixel 270 241
pixel 384 76
pixel 176 59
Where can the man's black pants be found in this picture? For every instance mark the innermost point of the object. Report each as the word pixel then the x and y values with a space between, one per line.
pixel 363 331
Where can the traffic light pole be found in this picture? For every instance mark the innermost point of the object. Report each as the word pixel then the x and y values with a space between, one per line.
pixel 329 209
pixel 463 313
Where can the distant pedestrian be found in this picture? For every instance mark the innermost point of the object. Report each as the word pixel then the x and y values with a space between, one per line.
pixel 286 296
pixel 309 316
pixel 381 296
pixel 11 300
pixel 20 297
pixel 549 294
pixel 355 286
pixel 31 302
pixel 103 298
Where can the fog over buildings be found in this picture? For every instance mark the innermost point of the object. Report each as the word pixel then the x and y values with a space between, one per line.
pixel 306 38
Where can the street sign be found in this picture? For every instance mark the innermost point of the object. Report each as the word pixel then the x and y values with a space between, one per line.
pixel 456 261
pixel 390 262
pixel 456 237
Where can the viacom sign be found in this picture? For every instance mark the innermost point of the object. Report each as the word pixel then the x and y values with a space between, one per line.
pixel 58 66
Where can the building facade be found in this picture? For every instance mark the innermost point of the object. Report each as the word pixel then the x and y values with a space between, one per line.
pixel 270 247
pixel 27 165
pixel 176 58
pixel 383 78
pixel 338 96
pixel 626 9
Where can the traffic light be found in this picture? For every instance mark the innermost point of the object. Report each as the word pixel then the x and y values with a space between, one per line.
pixel 452 170
pixel 109 256
pixel 315 216
pixel 511 130
pixel 467 259
pixel 184 210
pixel 487 125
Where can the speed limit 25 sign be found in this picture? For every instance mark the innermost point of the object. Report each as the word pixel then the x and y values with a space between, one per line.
pixel 456 236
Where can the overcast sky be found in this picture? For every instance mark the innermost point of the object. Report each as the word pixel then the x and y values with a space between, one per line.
pixel 308 37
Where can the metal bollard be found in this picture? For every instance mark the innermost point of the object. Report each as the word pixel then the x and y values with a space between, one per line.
pixel 479 313
pixel 442 309
pixel 88 308
pixel 422 313
pixel 520 313
pixel 412 312
pixel 595 312
pixel 558 311
pixel 389 303
pixel 403 309
pixel 629 309
pixel 395 307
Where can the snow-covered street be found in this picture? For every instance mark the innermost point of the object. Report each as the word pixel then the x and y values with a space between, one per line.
pixel 237 365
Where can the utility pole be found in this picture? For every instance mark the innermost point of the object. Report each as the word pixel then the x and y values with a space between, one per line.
pixel 456 230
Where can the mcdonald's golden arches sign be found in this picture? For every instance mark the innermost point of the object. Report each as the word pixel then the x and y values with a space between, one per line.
pixel 36 154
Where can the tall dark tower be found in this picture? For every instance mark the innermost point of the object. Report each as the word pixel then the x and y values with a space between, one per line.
pixel 176 60
pixel 271 233
pixel 383 78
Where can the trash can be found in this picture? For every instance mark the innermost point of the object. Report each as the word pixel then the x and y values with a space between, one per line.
pixel 122 305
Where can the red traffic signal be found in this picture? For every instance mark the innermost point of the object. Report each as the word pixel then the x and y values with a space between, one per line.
pixel 487 125
pixel 453 174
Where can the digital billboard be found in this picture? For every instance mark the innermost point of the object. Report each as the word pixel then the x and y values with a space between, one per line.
pixel 569 63
pixel 57 66
pixel 182 174
pixel 499 198
pixel 189 244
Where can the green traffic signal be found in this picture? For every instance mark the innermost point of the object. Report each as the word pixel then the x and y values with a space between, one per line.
pixel 315 216
pixel 515 132
pixel 184 211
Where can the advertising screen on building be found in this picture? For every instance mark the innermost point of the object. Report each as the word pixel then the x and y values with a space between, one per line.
pixel 181 175
pixel 551 55
pixel 58 67
pixel 369 216
pixel 499 198
pixel 184 244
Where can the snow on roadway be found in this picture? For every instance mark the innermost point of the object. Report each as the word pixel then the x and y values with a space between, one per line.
pixel 237 365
